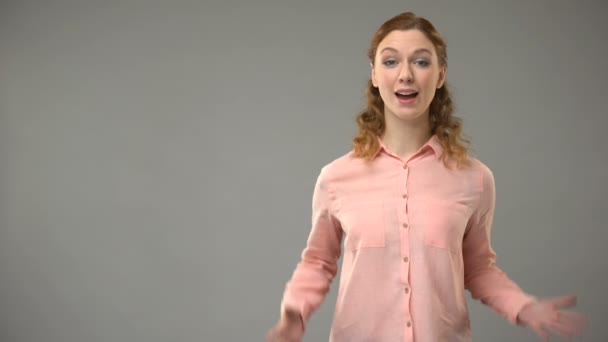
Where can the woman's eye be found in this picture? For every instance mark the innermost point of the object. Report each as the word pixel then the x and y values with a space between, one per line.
pixel 389 62
pixel 422 62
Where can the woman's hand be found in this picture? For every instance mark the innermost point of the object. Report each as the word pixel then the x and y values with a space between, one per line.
pixel 289 329
pixel 546 316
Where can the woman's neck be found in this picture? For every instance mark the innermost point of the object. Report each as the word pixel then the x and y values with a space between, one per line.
pixel 404 138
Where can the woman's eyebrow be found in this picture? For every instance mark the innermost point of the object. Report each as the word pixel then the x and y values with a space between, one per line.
pixel 416 52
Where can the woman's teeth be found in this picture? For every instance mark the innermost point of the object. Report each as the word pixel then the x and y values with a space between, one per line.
pixel 406 95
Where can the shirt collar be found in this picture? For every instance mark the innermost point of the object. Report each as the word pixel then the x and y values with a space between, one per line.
pixel 433 143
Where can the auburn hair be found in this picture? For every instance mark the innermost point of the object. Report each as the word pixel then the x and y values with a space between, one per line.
pixel 443 123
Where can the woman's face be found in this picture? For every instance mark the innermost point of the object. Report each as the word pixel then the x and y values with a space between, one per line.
pixel 407 73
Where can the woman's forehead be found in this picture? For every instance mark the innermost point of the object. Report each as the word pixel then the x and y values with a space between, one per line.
pixel 406 42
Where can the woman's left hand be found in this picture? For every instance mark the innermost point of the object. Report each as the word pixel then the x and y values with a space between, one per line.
pixel 546 316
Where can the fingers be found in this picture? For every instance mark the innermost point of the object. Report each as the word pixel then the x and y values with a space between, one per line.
pixel 575 321
pixel 566 324
pixel 271 336
pixel 563 302
pixel 562 330
pixel 538 330
pixel 278 334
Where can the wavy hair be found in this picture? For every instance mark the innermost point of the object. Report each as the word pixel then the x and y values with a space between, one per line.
pixel 443 123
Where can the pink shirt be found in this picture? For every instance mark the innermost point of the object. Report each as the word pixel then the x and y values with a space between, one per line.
pixel 415 235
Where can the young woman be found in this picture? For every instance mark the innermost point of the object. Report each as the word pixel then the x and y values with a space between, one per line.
pixel 414 211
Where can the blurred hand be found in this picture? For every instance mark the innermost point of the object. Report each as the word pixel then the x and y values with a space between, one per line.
pixel 289 329
pixel 546 316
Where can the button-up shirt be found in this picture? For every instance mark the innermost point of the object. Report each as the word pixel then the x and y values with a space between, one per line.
pixel 413 235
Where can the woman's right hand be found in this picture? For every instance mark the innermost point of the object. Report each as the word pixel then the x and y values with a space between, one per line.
pixel 289 329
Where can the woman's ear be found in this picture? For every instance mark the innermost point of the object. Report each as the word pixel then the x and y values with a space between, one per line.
pixel 373 75
pixel 442 76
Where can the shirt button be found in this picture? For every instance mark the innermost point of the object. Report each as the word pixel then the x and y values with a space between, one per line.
pixel 405 166
pixel 405 225
pixel 406 290
pixel 404 196
pixel 409 324
pixel 405 259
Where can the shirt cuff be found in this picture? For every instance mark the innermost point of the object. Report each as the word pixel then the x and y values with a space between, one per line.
pixel 289 305
pixel 514 319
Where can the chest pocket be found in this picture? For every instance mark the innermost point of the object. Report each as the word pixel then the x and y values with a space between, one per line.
pixel 445 224
pixel 363 224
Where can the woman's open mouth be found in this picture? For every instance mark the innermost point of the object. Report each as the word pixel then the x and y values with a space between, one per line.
pixel 406 97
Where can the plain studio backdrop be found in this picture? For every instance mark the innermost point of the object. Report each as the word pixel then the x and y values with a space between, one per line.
pixel 157 159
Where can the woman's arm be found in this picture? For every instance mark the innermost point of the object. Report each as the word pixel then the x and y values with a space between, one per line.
pixel 493 287
pixel 313 275
pixel 482 277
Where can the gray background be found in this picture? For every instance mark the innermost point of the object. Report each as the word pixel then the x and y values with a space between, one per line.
pixel 157 159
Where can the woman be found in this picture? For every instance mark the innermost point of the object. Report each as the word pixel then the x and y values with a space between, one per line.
pixel 415 212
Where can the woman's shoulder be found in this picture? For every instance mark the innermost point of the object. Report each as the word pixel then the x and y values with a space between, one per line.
pixel 341 164
pixel 338 162
pixel 482 171
pixel 477 164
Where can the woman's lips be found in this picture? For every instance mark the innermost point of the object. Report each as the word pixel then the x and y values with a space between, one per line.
pixel 406 99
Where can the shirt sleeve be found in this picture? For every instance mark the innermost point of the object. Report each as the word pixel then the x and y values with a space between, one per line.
pixel 317 267
pixel 482 277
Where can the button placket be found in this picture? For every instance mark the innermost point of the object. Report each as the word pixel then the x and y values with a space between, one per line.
pixel 405 243
pixel 405 251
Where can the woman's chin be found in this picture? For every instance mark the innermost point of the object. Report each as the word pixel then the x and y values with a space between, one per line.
pixel 408 115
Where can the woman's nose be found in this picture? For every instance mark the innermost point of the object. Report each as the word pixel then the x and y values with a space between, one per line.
pixel 406 75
